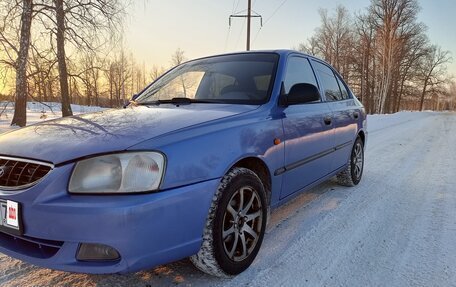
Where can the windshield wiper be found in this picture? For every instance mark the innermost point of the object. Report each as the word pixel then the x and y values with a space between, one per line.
pixel 177 101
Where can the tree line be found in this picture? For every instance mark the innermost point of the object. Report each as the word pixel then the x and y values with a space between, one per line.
pixel 68 51
pixel 43 38
pixel 385 54
pixel 71 51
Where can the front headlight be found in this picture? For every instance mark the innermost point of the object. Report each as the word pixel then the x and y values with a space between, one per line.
pixel 118 173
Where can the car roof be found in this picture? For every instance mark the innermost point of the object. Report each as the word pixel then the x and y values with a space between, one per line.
pixel 280 52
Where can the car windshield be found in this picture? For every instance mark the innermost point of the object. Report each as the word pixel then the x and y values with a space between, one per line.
pixel 234 79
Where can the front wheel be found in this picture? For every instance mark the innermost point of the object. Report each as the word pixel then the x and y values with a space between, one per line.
pixel 352 174
pixel 235 226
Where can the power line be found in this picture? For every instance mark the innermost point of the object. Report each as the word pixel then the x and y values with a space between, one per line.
pixel 269 18
pixel 275 11
pixel 232 9
pixel 227 38
pixel 237 5
pixel 256 35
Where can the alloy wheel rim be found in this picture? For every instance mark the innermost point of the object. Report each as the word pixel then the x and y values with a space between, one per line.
pixel 242 224
pixel 358 160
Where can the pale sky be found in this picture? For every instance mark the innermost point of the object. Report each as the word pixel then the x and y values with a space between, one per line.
pixel 200 27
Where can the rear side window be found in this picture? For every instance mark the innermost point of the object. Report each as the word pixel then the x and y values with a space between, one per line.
pixel 329 82
pixel 299 71
pixel 343 88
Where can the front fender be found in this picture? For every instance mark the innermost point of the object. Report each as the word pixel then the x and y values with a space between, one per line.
pixel 207 152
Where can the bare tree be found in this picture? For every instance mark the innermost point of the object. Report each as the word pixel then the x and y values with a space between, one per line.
pixel 176 59
pixel 118 74
pixel 365 63
pixel 384 54
pixel 41 75
pixel 20 107
pixel 391 19
pixel 9 34
pixel 138 76
pixel 91 78
pixel 79 25
pixel 433 71
pixel 156 73
pixel 414 48
pixel 333 40
pixel 3 107
pixel 452 96
pixel 61 57
pixel 84 24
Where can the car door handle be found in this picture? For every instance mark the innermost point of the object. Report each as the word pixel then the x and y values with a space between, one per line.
pixel 356 115
pixel 327 120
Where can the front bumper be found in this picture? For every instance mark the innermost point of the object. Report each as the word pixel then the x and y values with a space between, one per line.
pixel 146 229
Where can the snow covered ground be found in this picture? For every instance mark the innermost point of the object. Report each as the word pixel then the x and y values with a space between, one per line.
pixel 396 228
pixel 37 112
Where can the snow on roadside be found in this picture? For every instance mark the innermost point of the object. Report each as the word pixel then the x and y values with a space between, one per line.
pixel 39 112
pixel 378 122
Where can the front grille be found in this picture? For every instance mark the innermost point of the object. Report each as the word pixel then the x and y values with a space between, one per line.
pixel 21 173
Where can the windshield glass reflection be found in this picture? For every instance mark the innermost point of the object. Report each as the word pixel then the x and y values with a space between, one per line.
pixel 234 79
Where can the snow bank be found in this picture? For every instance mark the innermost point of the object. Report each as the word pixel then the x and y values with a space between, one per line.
pixel 378 122
pixel 38 112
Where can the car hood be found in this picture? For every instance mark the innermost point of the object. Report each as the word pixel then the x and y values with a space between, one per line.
pixel 65 139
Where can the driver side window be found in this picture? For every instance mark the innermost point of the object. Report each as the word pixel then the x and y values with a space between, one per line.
pixel 298 71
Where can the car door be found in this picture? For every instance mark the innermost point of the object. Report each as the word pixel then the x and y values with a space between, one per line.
pixel 308 132
pixel 344 110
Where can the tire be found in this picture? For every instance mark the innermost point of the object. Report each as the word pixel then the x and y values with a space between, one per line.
pixel 235 227
pixel 352 174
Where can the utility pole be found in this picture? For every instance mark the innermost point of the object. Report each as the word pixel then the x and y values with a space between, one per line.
pixel 249 17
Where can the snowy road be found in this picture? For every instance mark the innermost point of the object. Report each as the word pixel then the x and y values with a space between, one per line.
pixel 397 228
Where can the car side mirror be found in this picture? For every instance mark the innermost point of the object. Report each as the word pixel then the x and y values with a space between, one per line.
pixel 301 94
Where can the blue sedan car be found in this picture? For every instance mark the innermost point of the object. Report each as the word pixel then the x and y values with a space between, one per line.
pixel 190 168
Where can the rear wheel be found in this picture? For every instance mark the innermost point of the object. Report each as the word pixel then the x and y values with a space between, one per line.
pixel 235 226
pixel 352 174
